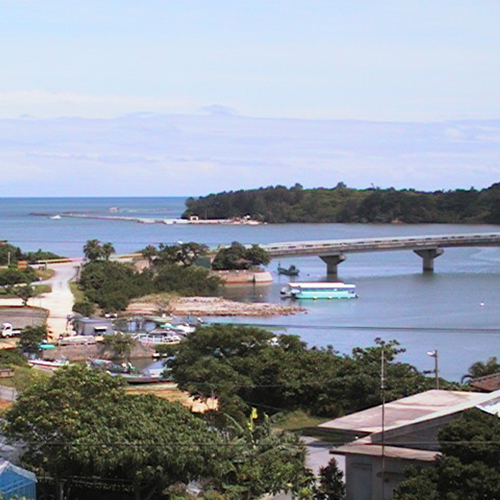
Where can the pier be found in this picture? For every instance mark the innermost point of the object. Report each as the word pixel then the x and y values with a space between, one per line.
pixel 334 252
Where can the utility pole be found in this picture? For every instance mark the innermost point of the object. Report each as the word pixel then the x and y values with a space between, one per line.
pixel 382 390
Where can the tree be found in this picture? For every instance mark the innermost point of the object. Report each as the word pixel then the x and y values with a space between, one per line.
pixel 257 256
pixel 24 293
pixel 84 307
pixel 239 364
pixel 107 250
pixel 262 461
pixel 93 250
pixel 80 423
pixel 120 344
pixel 9 254
pixel 331 483
pixel 10 278
pixel 150 253
pixel 31 337
pixel 237 256
pixel 185 254
pixel 467 466
pixel 480 369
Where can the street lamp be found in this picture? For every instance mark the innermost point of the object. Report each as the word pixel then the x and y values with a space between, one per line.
pixel 434 354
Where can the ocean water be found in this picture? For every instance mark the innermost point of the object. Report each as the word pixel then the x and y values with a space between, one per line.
pixel 453 310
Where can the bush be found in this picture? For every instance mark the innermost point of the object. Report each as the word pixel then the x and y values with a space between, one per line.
pixel 84 307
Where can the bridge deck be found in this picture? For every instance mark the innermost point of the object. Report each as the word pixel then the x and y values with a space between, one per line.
pixel 332 247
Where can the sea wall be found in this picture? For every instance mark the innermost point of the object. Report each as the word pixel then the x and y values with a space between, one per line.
pixel 243 276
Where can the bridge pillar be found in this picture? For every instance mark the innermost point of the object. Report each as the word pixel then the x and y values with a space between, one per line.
pixel 332 261
pixel 428 255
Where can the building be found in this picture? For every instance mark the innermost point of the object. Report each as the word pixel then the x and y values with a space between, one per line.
pixel 388 438
pixel 92 326
pixel 16 482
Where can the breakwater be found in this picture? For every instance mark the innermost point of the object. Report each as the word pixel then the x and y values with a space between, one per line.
pixel 146 220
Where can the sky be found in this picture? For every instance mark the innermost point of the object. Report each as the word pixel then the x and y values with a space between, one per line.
pixel 296 62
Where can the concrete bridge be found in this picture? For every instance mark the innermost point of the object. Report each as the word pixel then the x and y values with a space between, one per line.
pixel 333 252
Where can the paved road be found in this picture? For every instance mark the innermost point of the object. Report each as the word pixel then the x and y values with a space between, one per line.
pixel 59 302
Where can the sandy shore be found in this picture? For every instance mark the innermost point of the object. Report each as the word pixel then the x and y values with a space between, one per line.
pixel 214 306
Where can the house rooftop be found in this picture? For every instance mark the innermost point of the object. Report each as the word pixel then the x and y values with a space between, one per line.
pixel 488 383
pixel 366 447
pixel 412 409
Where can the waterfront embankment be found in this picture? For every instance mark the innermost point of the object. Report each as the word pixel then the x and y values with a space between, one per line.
pixel 213 306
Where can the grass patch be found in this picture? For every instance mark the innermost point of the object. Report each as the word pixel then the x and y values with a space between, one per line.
pixel 77 293
pixel 299 422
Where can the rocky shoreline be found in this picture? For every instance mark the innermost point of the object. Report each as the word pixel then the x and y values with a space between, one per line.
pixel 214 306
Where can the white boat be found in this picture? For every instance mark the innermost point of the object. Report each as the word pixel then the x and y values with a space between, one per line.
pixel 76 340
pixel 55 217
pixel 319 290
pixel 48 365
pixel 157 338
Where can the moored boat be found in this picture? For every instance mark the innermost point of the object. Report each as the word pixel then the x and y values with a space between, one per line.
pixel 154 338
pixel 319 290
pixel 128 371
pixel 48 364
pixel 290 271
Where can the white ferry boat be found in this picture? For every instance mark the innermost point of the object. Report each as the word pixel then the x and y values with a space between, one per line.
pixel 319 290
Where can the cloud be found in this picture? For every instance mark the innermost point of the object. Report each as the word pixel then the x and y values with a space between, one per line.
pixel 150 154
pixel 47 104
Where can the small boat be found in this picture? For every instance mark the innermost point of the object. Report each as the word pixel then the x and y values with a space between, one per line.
pixel 157 337
pixel 128 372
pixel 291 271
pixel 55 217
pixel 109 366
pixel 319 290
pixel 48 364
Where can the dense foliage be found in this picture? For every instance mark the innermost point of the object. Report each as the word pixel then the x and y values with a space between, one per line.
pixel 31 337
pixel 468 466
pixel 112 284
pixel 279 204
pixel 10 254
pixel 18 283
pixel 10 358
pixel 249 367
pixel 95 250
pixel 238 256
pixel 184 254
pixel 84 434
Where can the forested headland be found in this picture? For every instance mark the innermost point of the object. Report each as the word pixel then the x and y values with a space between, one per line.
pixel 279 204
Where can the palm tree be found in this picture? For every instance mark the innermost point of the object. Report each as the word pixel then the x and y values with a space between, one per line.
pixel 107 249
pixel 93 250
pixel 480 369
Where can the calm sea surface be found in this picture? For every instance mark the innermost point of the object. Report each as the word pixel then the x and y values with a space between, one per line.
pixel 454 311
